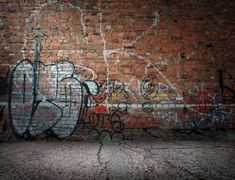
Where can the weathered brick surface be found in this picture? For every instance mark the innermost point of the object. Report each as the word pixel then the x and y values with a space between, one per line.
pixel 157 64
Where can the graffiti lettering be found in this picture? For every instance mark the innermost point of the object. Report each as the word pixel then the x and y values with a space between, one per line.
pixel 106 123
pixel 47 97
pixel 152 89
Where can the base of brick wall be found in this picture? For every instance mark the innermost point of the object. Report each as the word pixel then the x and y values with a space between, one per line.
pixel 143 134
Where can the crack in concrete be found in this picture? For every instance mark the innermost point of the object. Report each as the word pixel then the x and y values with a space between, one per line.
pixel 104 164
pixel 187 171
pixel 104 169
pixel 145 167
pixel 99 153
pixel 114 164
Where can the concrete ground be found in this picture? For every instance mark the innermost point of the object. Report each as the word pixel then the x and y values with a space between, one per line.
pixel 138 159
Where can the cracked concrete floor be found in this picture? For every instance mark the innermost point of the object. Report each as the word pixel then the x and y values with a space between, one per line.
pixel 146 159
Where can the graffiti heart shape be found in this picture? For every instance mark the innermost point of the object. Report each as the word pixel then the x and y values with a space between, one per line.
pixel 45 97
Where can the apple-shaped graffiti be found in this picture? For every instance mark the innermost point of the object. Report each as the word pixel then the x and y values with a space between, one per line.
pixel 47 97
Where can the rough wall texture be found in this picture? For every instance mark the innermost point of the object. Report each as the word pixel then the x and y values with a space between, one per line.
pixel 106 66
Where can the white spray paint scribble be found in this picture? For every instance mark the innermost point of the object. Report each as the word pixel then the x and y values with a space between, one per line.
pixel 105 54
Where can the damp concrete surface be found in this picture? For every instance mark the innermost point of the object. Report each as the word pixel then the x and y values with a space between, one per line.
pixel 122 159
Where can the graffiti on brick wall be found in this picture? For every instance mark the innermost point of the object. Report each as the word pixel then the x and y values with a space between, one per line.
pixel 104 117
pixel 205 110
pixel 105 124
pixel 152 89
pixel 114 92
pixel 60 100
pixel 50 98
pixel 47 97
pixel 169 117
pixel 53 98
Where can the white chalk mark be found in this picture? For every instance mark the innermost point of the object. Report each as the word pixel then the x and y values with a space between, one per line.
pixel 116 51
pixel 177 91
pixel 146 59
pixel 36 13
pixel 155 23
pixel 165 105
pixel 109 52
pixel 127 88
pixel 105 54
pixel 94 75
pixel 85 34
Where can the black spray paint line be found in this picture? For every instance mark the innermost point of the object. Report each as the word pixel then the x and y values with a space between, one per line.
pixel 39 100
pixel 102 117
pixel 24 88
pixel 35 103
pixel 97 124
pixel 70 100
pixel 65 90
pixel 11 99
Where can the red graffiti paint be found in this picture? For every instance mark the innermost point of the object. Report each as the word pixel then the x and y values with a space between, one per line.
pixel 100 108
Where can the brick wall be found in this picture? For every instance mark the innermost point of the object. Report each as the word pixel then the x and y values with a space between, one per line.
pixel 106 66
